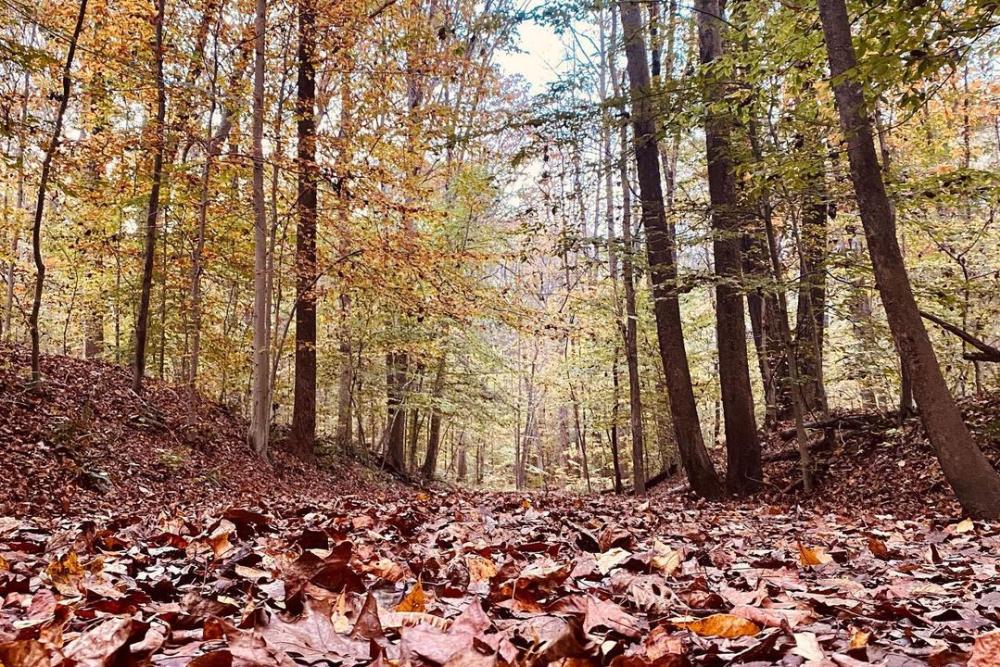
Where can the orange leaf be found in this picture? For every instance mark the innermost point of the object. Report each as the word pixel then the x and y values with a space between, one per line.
pixel 415 600
pixel 480 568
pixel 859 639
pixel 815 556
pixel 720 625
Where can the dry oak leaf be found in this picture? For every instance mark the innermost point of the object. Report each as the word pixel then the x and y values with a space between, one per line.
pixel 813 556
pixel 727 626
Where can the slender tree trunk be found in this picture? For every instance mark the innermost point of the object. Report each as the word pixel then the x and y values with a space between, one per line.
pixel 36 233
pixel 628 327
pixel 434 435
pixel 810 319
pixel 21 205
pixel 396 367
pixel 613 439
pixel 260 416
pixel 744 472
pixel 659 246
pixel 303 436
pixel 153 211
pixel 976 483
pixel 345 386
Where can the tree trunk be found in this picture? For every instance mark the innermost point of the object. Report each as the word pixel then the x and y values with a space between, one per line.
pixel 810 319
pixel 395 381
pixel 628 328
pixel 260 417
pixel 744 473
pixel 434 436
pixel 153 211
pixel 303 435
pixel 659 247
pixel 976 483
pixel 36 232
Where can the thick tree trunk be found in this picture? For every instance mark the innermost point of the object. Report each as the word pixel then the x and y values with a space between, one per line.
pixel 744 473
pixel 153 211
pixel 260 416
pixel 36 232
pixel 659 247
pixel 303 436
pixel 976 483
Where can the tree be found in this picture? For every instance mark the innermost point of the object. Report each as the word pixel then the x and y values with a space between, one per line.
pixel 260 417
pixel 153 209
pixel 976 483
pixel 659 248
pixel 36 230
pixel 303 435
pixel 744 473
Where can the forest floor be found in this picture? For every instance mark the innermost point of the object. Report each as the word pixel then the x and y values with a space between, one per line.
pixel 129 536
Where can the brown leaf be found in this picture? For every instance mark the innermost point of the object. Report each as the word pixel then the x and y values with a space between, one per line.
pixel 772 617
pixel 96 646
pixel 608 615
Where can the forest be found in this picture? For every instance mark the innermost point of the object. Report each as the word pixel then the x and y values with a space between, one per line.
pixel 499 332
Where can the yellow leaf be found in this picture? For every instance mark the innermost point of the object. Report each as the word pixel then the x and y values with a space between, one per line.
pixel 665 560
pixel 526 504
pixel 814 556
pixel 963 526
pixel 859 639
pixel 339 616
pixel 720 625
pixel 609 560
pixel 4 565
pixel 66 573
pixel 423 496
pixel 480 568
pixel 415 600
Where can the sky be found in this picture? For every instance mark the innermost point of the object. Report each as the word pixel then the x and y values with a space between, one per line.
pixel 541 59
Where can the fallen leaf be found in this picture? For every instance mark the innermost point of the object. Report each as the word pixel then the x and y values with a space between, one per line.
pixel 719 625
pixel 415 600
pixel 813 556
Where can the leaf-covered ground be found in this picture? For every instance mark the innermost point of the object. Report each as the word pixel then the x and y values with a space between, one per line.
pixel 450 578
pixel 130 535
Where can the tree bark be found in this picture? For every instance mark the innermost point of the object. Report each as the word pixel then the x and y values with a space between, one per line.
pixel 153 211
pixel 36 232
pixel 434 435
pixel 396 366
pixel 260 417
pixel 660 249
pixel 303 435
pixel 976 483
pixel 744 472
pixel 810 327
